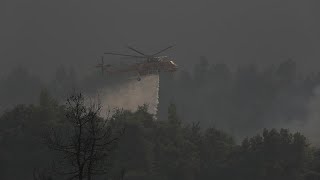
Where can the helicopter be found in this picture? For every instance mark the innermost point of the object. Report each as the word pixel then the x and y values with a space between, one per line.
pixel 149 64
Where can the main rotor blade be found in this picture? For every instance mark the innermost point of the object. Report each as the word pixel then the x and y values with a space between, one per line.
pixel 136 51
pixel 102 61
pixel 163 50
pixel 132 58
pixel 117 54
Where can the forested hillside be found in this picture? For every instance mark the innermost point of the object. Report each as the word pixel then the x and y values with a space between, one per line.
pixel 169 148
pixel 244 100
pixel 214 123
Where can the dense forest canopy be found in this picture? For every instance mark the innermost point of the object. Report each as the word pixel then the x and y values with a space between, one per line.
pixel 212 123
pixel 241 101
pixel 163 149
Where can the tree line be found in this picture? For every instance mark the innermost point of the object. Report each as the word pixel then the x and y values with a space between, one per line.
pixel 242 100
pixel 258 97
pixel 35 136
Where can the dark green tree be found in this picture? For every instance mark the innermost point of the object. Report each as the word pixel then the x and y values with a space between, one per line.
pixel 274 155
pixel 216 148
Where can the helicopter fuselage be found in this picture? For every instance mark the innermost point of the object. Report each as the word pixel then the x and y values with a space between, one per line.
pixel 152 64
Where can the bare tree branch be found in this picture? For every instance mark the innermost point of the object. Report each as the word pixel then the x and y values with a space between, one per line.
pixel 87 143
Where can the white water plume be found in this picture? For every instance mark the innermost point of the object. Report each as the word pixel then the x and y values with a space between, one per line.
pixel 130 95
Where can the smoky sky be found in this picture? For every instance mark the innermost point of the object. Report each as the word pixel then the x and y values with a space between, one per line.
pixel 42 34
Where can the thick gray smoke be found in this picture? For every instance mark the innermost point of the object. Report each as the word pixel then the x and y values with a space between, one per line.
pixel 311 127
pixel 130 95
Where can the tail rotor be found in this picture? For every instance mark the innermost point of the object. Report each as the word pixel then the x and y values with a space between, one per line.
pixel 102 65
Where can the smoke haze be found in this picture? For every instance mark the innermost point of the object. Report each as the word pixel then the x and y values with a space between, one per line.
pixel 311 127
pixel 42 35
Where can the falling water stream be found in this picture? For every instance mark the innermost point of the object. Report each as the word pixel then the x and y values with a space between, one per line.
pixel 130 95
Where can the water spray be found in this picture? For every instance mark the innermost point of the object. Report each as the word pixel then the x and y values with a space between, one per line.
pixel 130 95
